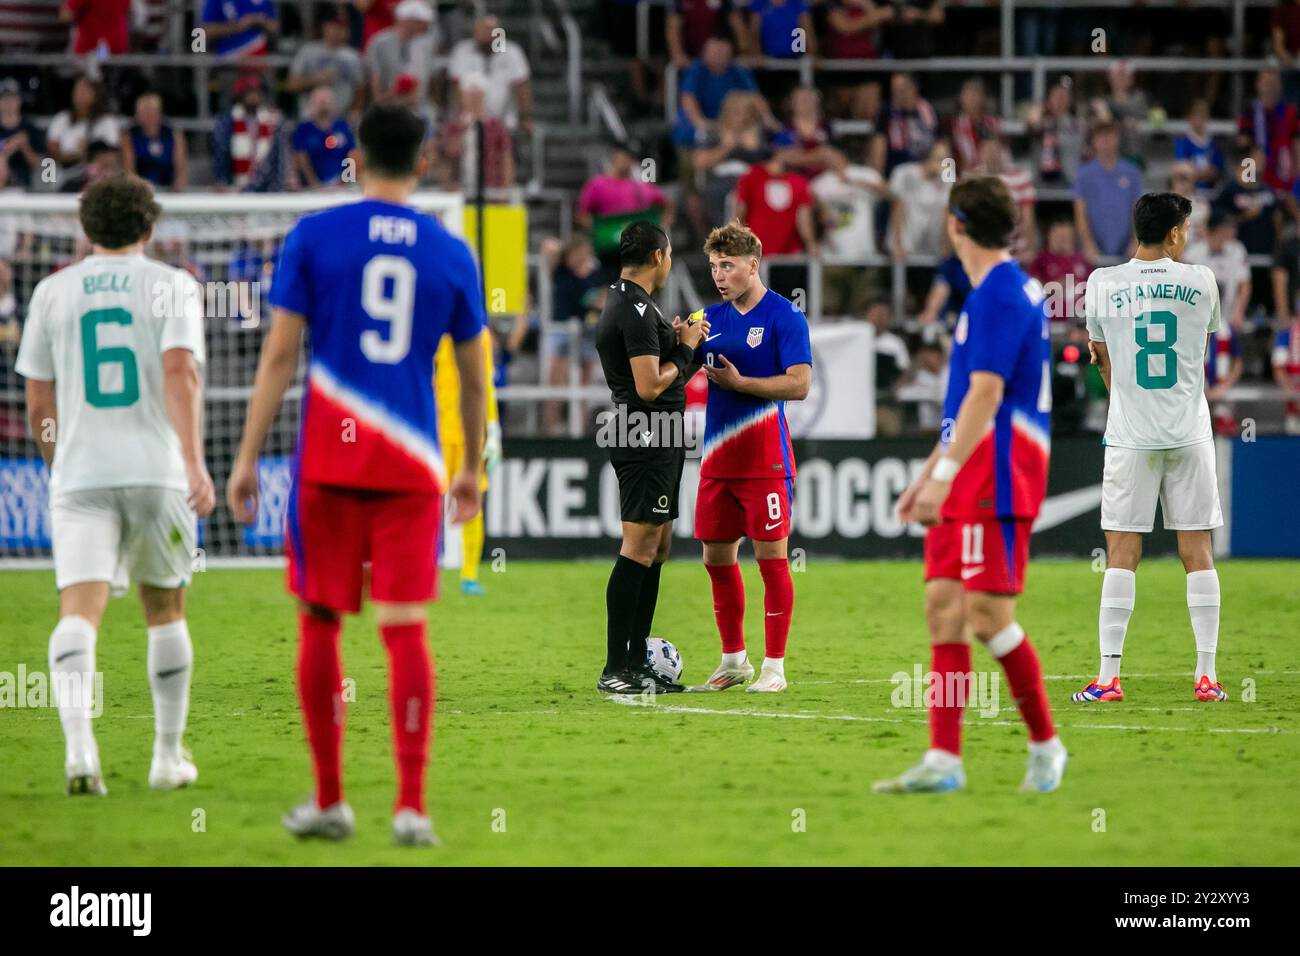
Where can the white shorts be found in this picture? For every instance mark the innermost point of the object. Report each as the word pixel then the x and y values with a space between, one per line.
pixel 146 534
pixel 1181 478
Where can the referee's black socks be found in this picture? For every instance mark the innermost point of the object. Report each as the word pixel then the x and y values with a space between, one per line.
pixel 622 604
pixel 645 615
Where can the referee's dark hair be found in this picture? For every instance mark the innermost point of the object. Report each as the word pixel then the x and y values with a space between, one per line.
pixel 391 136
pixel 638 242
pixel 983 205
pixel 1157 213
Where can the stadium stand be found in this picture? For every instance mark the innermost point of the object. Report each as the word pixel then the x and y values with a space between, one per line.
pixel 672 107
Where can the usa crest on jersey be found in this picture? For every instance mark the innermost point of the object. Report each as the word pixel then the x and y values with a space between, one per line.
pixel 755 337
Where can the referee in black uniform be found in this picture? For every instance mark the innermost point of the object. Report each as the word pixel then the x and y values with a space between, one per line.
pixel 647 361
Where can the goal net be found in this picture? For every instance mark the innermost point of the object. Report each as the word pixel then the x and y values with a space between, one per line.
pixel 231 244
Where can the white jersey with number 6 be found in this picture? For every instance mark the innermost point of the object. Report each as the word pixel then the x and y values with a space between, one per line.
pixel 98 329
pixel 1154 317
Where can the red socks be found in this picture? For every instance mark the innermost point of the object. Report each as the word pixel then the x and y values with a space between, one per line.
pixel 778 603
pixel 1025 679
pixel 320 692
pixel 411 696
pixel 729 605
pixel 946 715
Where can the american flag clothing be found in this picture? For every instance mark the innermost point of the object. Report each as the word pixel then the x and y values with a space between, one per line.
pixel 1225 348
pixel 746 436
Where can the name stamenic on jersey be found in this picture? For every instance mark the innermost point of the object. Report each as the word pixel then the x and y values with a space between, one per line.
pixel 1140 292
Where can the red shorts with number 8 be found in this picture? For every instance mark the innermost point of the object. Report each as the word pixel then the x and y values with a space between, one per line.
pixel 727 509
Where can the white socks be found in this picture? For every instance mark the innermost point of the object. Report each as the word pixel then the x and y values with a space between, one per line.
pixel 72 674
pixel 1118 593
pixel 941 760
pixel 170 661
pixel 733 660
pixel 774 665
pixel 1203 606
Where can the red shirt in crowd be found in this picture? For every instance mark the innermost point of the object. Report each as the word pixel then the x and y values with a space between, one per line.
pixel 772 202
pixel 851 46
pixel 379 16
pixel 1286 17
pixel 96 20
pixel 701 19
pixel 1051 270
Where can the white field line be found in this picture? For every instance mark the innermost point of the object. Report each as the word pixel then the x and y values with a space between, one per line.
pixel 890 680
pixel 680 709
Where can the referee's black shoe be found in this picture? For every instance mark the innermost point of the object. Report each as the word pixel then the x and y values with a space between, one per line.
pixel 622 682
pixel 654 682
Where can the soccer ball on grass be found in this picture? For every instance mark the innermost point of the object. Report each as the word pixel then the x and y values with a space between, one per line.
pixel 663 658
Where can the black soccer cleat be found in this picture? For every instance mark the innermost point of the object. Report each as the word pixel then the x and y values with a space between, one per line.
pixel 621 682
pixel 654 682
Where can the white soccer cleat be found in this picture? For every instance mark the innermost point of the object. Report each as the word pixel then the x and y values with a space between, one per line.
pixel 729 676
pixel 335 822
pixel 1046 768
pixel 928 776
pixel 413 829
pixel 81 771
pixel 769 682
pixel 170 771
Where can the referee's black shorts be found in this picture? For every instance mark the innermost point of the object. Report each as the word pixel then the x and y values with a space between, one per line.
pixel 648 485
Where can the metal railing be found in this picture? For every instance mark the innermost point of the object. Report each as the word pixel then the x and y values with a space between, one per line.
pixel 573 54
pixel 1036 66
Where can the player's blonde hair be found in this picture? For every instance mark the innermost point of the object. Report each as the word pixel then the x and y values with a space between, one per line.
pixel 733 239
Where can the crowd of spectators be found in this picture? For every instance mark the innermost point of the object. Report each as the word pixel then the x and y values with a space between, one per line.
pixel 276 129
pixel 851 169
pixel 854 171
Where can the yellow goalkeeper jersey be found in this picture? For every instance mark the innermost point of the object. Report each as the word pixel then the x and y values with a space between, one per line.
pixel 446 383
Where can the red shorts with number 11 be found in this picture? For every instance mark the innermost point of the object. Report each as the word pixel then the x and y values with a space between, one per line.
pixel 987 555
pixel 727 509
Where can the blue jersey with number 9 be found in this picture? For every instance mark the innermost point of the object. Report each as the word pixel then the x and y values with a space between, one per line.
pixel 379 285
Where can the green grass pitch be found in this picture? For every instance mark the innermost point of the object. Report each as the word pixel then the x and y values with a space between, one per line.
pixel 532 767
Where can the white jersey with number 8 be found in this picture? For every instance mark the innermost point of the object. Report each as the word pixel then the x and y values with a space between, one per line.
pixel 1154 317
pixel 98 329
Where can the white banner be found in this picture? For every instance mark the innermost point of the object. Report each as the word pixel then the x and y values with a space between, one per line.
pixel 842 400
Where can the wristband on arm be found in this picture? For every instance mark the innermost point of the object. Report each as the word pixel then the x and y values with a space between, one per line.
pixel 682 356
pixel 945 469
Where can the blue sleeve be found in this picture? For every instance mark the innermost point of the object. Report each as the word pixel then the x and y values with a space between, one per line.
pixel 987 347
pixel 1080 181
pixel 300 136
pixel 467 314
pixel 691 79
pixel 291 286
pixel 793 344
pixel 1182 147
pixel 221 131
